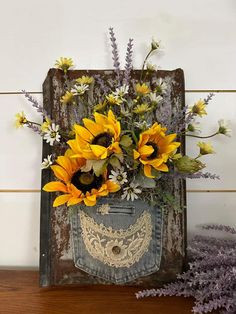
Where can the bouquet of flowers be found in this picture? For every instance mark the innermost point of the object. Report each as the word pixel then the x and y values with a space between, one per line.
pixel 123 141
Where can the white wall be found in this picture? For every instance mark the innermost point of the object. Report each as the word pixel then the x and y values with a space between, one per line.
pixel 198 36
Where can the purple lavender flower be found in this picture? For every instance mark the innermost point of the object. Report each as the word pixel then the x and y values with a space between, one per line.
pixel 211 277
pixel 115 53
pixel 128 60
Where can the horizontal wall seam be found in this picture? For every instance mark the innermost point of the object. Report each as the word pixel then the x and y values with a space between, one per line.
pixel 189 190
pixel 186 91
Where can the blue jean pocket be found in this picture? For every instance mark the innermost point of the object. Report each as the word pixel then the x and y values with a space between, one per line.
pixel 117 240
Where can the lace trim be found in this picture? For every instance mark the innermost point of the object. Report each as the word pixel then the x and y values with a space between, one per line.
pixel 117 248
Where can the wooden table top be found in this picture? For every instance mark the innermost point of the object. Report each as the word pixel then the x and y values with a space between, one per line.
pixel 20 293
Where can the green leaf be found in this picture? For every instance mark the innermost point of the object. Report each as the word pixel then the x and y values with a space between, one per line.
pixel 120 157
pixel 126 141
pixel 99 166
pixel 145 182
pixel 115 162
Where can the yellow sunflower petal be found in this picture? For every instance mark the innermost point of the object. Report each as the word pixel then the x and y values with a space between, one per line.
pixel 136 154
pixel 148 171
pixel 83 132
pixel 163 167
pixel 93 127
pixel 90 200
pixel 74 201
pixel 65 162
pixel 55 186
pixel 60 200
pixel 99 151
pixel 112 186
pixel 100 118
pixel 60 173
pixel 146 150
pixel 115 148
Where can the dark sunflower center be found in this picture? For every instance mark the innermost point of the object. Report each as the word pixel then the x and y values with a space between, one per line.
pixel 103 139
pixel 154 154
pixel 86 181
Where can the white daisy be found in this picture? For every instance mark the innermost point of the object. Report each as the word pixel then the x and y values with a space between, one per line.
pixel 161 86
pixel 80 89
pixel 155 44
pixel 151 67
pixel 119 176
pixel 130 193
pixel 194 127
pixel 121 91
pixel 224 127
pixel 52 135
pixel 47 162
pixel 155 98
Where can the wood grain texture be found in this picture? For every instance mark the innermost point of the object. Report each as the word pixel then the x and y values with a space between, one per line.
pixel 19 293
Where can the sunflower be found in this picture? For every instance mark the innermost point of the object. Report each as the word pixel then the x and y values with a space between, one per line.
pixel 77 186
pixel 97 139
pixel 154 149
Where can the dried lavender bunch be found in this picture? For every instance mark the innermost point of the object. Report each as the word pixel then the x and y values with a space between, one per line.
pixel 128 62
pixel 211 277
pixel 35 104
pixel 115 53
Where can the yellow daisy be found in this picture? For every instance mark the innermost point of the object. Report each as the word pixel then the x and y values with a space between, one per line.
pixel 64 63
pixel 45 125
pixel 85 80
pixel 205 148
pixel 67 98
pixel 141 109
pixel 97 139
pixel 142 89
pixel 77 186
pixel 155 148
pixel 113 100
pixel 199 108
pixel 20 119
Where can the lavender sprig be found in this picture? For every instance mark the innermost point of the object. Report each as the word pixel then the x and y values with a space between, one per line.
pixel 224 228
pixel 211 277
pixel 197 175
pixel 35 104
pixel 128 60
pixel 208 98
pixel 34 127
pixel 115 53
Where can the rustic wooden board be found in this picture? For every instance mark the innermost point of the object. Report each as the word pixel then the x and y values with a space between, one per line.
pixel 20 294
pixel 56 260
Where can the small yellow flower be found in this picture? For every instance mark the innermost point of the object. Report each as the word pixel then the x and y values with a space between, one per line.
pixel 113 100
pixel 205 148
pixel 199 108
pixel 45 125
pixel 141 109
pixel 100 106
pixel 85 80
pixel 64 64
pixel 20 119
pixel 142 89
pixel 67 98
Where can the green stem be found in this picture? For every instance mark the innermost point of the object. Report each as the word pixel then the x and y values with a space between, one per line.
pixel 30 122
pixel 144 62
pixel 197 136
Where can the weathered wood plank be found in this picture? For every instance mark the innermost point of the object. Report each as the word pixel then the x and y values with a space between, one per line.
pixel 56 260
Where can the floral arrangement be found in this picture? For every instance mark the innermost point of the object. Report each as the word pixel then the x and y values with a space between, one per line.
pixel 211 275
pixel 123 141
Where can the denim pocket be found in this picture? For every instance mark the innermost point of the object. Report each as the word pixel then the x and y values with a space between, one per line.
pixel 117 240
